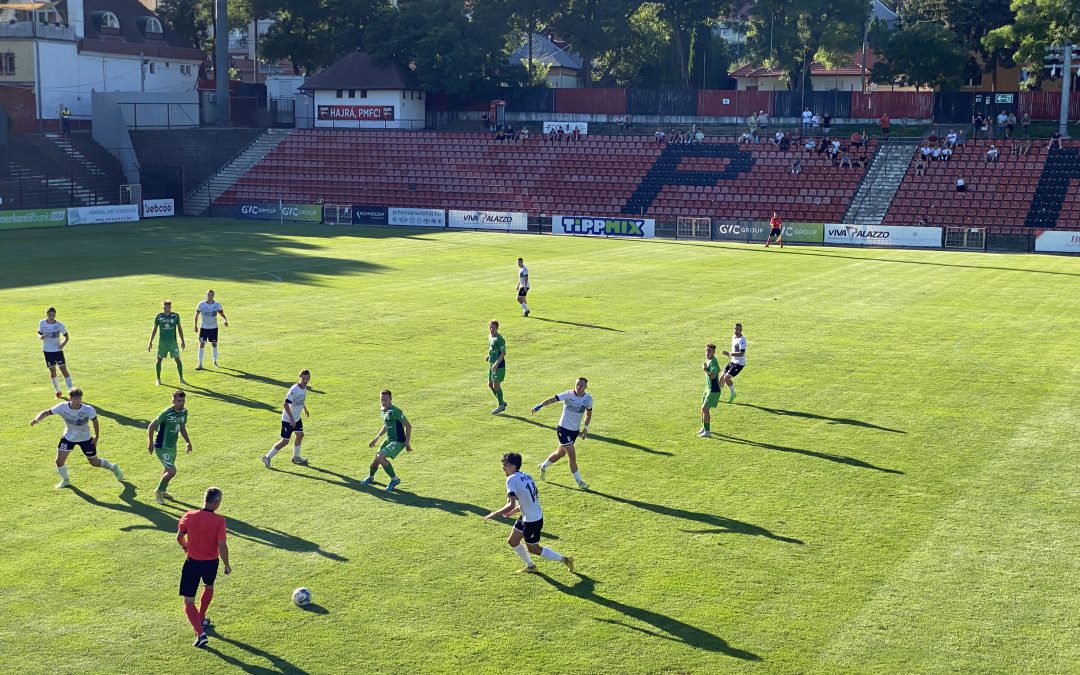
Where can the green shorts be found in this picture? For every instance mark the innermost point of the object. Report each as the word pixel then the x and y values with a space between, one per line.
pixel 167 457
pixel 498 376
pixel 391 448
pixel 165 349
pixel 711 399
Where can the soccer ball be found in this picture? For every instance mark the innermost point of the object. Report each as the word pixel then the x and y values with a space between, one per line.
pixel 301 597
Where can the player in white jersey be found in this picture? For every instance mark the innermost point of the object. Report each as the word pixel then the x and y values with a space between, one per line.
pixel 523 287
pixel 295 403
pixel 522 495
pixel 575 402
pixel 50 331
pixel 738 360
pixel 77 416
pixel 208 309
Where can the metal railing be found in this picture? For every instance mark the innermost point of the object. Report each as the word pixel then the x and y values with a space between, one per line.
pixel 33 29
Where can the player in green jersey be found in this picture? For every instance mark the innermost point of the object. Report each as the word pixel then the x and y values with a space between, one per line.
pixel 169 324
pixel 163 431
pixel 712 388
pixel 398 431
pixel 496 360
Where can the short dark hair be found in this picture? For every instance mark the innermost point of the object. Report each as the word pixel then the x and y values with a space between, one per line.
pixel 304 372
pixel 51 310
pixel 512 458
pixel 387 392
pixel 710 346
pixel 738 325
pixel 213 494
pixel 583 379
pixel 180 393
pixel 496 323
pixel 75 392
pixel 209 290
pixel 521 260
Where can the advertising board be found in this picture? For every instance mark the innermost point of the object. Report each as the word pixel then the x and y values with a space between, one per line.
pixel 1051 241
pixel 631 228
pixel 27 218
pixel 356 113
pixel 567 127
pixel 280 211
pixel 883 235
pixel 416 217
pixel 803 233
pixel 488 220
pixel 95 215
pixel 158 208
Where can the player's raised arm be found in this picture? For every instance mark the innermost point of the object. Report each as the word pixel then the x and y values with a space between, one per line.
pixel 546 401
pixel 40 416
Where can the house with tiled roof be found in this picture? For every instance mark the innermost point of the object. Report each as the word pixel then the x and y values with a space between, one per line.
pixel 847 77
pixel 360 92
pixel 562 64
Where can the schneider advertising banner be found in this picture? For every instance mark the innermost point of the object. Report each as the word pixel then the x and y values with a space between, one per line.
pixel 17 220
pixel 94 215
pixel 632 228
pixel 369 214
pixel 489 220
pixel 805 233
pixel 417 217
pixel 299 213
pixel 1049 241
pixel 884 235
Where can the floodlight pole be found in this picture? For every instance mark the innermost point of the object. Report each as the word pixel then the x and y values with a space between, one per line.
pixel 221 61
pixel 1066 85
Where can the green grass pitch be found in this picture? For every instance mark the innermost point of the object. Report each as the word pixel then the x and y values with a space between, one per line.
pixel 894 490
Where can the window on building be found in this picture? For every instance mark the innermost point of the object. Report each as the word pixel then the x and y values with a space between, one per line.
pixel 363 93
pixel 185 69
pixel 150 67
pixel 7 64
pixel 340 92
pixel 109 20
pixel 154 26
pixel 352 93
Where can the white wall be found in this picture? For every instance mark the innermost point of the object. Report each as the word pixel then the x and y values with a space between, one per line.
pixel 409 108
pixel 67 77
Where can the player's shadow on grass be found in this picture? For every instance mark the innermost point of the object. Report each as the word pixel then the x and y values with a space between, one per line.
pixel 278 665
pixel 814 416
pixel 262 379
pixel 159 520
pixel 666 627
pixel 231 399
pixel 596 437
pixel 839 459
pixel 720 524
pixel 122 420
pixel 574 323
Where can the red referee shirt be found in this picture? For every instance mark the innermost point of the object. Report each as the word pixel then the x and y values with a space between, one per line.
pixel 204 530
pixel 775 221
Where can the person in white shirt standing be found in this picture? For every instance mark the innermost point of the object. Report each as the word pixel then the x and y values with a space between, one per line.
pixel 575 403
pixel 523 287
pixel 290 420
pixel 208 309
pixel 738 361
pixel 77 416
pixel 522 496
pixel 50 331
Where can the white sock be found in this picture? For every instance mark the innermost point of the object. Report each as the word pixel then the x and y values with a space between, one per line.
pixel 106 464
pixel 577 476
pixel 273 451
pixel 732 387
pixel 550 555
pixel 525 306
pixel 67 381
pixel 215 354
pixel 56 385
pixel 296 451
pixel 62 470
pixel 200 356
pixel 545 464
pixel 523 553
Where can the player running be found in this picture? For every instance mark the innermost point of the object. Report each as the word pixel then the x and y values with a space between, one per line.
pixel 496 360
pixel 398 431
pixel 738 361
pixel 76 415
pixel 208 309
pixel 202 536
pixel 712 388
pixel 163 432
pixel 169 324
pixel 523 287
pixel 776 231
pixel 295 403
pixel 522 495
pixel 575 402
pixel 49 332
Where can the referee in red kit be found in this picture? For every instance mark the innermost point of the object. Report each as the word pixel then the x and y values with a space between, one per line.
pixel 202 536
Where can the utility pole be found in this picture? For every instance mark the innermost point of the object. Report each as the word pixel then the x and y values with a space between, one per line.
pixel 221 61
pixel 1066 85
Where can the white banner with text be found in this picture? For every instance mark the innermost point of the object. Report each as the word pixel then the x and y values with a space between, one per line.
pixel 93 215
pixel 883 235
pixel 158 208
pixel 1049 241
pixel 416 217
pixel 489 220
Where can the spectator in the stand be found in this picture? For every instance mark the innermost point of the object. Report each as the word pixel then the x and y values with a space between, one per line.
pixel 699 136
pixel 857 140
pixel 932 139
pixel 976 125
pixel 946 153
pixel 810 145
pixel 627 122
pixel 992 153
pixel 560 133
pixel 659 135
pixel 950 139
pixel 845 158
pixel 815 122
pixel 747 138
pixel 1025 147
pixel 925 152
pixel 826 124
pixel 1025 122
pixel 500 135
pixel 796 167
pixel 763 121
pixel 884 122
pixel 778 136
pixel 834 146
pixel 961 137
pixel 524 133
pixel 1002 120
pixel 961 186
pixel 1010 125
pixel 935 154
pixel 785 143
pixel 1055 140
pixel 920 167
pixel 576 135
pixel 806 117
pixel 65 119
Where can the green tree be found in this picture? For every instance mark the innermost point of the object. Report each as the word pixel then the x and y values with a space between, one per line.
pixel 594 28
pixel 1039 25
pixel 921 55
pixel 971 21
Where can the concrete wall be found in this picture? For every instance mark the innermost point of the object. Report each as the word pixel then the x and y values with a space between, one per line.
pixel 24 60
pixel 409 108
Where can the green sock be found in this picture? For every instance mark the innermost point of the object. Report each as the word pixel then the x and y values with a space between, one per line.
pixel 499 396
pixel 162 485
pixel 707 425
pixel 180 368
pixel 157 367
pixel 389 470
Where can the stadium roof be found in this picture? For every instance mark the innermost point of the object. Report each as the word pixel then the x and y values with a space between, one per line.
pixel 360 71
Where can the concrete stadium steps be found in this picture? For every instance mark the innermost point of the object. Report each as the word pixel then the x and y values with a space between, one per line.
pixel 199 200
pixel 878 187
pixel 595 175
pixel 201 152
pixel 55 170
